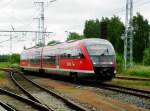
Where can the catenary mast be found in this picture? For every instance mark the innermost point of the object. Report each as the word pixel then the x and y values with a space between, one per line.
pixel 128 40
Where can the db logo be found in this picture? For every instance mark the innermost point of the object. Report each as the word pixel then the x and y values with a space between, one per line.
pixel 68 63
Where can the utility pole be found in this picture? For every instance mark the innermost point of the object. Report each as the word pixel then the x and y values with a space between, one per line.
pixel 128 40
pixel 38 35
pixel 42 18
pixel 11 43
pixel 67 32
pixel 10 46
pixel 42 40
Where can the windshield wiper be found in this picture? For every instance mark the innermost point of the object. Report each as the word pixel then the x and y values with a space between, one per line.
pixel 104 52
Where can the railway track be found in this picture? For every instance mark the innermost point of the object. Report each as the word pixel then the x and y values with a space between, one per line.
pixel 22 103
pixel 124 90
pixel 61 102
pixel 6 107
pixel 132 78
pixel 135 92
pixel 127 90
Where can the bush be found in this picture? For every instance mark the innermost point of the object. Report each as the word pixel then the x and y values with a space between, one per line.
pixel 119 60
pixel 146 58
pixel 139 71
pixel 15 58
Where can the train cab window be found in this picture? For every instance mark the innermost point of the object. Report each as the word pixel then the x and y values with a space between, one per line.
pixel 72 53
pixel 81 55
pixel 97 49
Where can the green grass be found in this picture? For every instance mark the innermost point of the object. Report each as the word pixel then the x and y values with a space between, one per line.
pixel 132 84
pixel 138 71
pixel 7 64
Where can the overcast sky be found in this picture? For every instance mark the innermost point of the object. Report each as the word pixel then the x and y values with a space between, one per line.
pixel 60 16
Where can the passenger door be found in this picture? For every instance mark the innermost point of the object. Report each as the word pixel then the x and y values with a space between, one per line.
pixel 57 58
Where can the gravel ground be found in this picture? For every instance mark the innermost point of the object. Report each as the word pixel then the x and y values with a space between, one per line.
pixel 127 99
pixel 140 102
pixel 2 109
pixel 52 102
pixel 43 96
pixel 15 103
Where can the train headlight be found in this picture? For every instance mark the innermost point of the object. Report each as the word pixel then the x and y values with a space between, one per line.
pixel 110 62
pixel 94 63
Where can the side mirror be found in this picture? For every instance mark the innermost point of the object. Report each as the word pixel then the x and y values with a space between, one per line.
pixel 69 55
pixel 81 55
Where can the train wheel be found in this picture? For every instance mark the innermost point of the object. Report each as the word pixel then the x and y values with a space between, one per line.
pixel 74 77
pixel 22 69
pixel 41 71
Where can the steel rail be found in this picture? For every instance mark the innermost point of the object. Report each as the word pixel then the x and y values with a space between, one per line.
pixel 20 87
pixel 68 102
pixel 34 104
pixel 26 92
pixel 6 106
pixel 126 90
pixel 121 89
pixel 132 78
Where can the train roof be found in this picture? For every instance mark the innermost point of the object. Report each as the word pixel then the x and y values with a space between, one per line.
pixel 86 41
pixel 95 41
pixel 74 43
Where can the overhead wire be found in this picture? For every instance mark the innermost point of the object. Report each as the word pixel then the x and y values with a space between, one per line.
pixel 137 3
pixel 8 39
pixel 7 4
pixel 25 25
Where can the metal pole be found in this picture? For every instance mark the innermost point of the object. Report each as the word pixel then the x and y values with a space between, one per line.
pixel 126 36
pixel 10 47
pixel 128 41
pixel 42 20
pixel 131 33
pixel 42 40
pixel 38 35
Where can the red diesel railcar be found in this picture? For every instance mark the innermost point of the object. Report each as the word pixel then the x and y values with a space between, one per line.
pixel 82 58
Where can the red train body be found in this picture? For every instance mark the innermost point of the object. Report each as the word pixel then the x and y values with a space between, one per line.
pixel 82 58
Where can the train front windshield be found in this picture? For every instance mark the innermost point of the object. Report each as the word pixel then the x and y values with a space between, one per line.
pixel 101 53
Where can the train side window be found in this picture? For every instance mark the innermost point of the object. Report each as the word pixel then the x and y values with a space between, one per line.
pixel 35 58
pixel 24 56
pixel 49 57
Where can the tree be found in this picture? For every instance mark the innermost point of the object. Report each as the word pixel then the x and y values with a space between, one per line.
pixel 4 58
pixel 92 29
pixel 146 58
pixel 40 44
pixel 140 37
pixel 74 36
pixel 115 30
pixel 53 42
pixel 104 28
pixel 15 58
